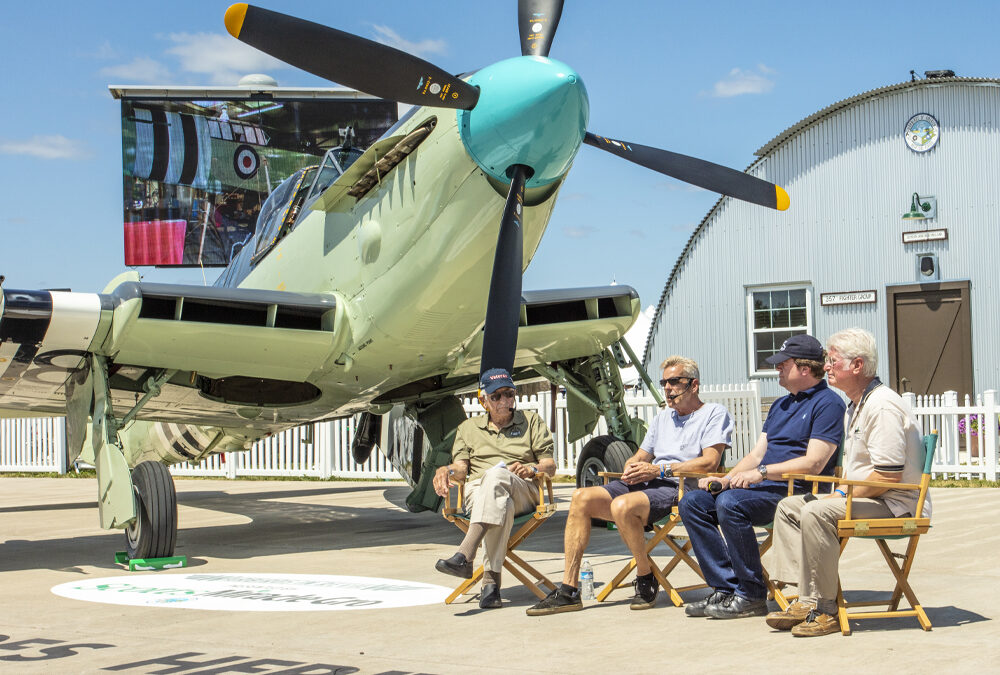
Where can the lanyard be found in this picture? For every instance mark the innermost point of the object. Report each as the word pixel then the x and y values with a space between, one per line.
pixel 872 386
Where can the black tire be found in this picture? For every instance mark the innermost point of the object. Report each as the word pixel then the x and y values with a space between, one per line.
pixel 601 453
pixel 153 533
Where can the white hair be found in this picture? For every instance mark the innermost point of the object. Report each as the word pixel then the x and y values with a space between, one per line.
pixel 856 343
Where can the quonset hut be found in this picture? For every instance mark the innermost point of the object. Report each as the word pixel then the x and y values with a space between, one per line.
pixel 893 218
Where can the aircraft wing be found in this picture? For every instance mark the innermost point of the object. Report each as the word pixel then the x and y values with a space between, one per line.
pixel 46 336
pixel 562 324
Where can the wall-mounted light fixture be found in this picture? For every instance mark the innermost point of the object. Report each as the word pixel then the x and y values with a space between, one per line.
pixel 921 208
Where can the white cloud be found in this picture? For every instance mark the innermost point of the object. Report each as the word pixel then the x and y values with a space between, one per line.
pixel 141 70
pixel 221 59
pixel 579 231
pixel 46 147
pixel 741 81
pixel 423 49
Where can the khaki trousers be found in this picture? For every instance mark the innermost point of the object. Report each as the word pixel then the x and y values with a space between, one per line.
pixel 496 498
pixel 807 548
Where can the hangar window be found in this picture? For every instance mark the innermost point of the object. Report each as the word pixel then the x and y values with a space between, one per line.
pixel 773 315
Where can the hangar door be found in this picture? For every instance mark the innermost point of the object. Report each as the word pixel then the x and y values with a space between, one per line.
pixel 930 338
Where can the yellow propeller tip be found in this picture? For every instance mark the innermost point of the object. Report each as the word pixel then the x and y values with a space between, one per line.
pixel 781 198
pixel 234 18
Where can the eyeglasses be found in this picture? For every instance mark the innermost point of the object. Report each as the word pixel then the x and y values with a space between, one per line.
pixel 674 381
pixel 498 395
pixel 831 361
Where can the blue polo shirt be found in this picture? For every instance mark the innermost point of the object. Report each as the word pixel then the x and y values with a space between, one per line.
pixel 817 412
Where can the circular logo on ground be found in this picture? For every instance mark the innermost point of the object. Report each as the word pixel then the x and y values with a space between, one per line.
pixel 245 162
pixel 254 592
pixel 922 132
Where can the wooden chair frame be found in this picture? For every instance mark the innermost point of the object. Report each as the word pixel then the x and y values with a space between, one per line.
pixel 682 552
pixel 881 530
pixel 512 562
pixel 662 533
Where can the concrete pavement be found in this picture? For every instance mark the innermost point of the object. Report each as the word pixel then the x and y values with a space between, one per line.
pixel 49 536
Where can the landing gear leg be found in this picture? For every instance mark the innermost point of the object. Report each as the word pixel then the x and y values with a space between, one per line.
pixel 142 502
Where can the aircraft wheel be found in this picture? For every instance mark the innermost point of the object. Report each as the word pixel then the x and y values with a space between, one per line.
pixel 601 453
pixel 153 534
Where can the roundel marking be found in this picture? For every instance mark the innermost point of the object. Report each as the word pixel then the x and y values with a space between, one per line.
pixel 246 162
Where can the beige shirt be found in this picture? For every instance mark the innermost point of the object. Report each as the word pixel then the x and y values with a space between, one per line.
pixel 885 436
pixel 526 439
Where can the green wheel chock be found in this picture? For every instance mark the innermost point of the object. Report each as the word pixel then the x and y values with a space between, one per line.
pixel 144 564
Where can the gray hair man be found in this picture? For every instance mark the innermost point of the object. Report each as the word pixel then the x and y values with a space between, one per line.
pixel 883 443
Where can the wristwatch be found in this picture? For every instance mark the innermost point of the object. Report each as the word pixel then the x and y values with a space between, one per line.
pixel 666 471
pixel 534 469
pixel 763 471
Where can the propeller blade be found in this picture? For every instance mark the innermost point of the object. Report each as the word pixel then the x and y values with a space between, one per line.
pixel 503 310
pixel 537 21
pixel 714 177
pixel 348 59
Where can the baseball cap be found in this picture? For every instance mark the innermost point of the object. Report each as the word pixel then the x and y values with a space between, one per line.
pixel 798 347
pixel 493 379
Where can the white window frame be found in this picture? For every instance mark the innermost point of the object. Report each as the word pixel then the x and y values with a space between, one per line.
pixel 751 331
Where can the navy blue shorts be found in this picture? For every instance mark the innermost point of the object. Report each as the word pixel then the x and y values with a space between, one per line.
pixel 662 495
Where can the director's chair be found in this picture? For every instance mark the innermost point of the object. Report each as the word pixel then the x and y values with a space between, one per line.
pixel 662 533
pixel 524 526
pixel 882 530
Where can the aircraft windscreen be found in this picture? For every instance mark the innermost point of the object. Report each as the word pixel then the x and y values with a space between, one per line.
pixel 335 163
pixel 275 209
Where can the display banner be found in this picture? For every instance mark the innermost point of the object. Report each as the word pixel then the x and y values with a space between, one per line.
pixel 196 171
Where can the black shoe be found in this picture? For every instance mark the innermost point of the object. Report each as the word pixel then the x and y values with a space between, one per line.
pixel 697 608
pixel 556 602
pixel 456 566
pixel 489 598
pixel 646 591
pixel 737 608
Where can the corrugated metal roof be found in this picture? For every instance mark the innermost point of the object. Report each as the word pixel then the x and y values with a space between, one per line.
pixel 872 93
pixel 769 147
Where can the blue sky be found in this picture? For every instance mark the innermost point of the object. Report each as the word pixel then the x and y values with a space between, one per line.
pixel 714 80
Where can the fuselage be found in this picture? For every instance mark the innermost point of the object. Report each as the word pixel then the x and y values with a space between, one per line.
pixel 411 260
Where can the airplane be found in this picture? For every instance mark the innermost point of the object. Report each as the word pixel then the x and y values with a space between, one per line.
pixel 383 289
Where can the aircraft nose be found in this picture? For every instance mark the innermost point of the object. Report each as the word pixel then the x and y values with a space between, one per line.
pixel 532 110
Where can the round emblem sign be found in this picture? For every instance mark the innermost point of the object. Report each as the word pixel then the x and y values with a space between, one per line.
pixel 245 162
pixel 922 132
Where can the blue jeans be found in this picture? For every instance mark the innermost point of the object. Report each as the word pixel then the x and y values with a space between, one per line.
pixel 730 560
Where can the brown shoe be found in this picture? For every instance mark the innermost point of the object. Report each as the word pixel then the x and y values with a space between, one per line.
pixel 816 624
pixel 796 613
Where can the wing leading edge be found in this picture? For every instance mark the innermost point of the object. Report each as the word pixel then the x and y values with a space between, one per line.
pixel 45 336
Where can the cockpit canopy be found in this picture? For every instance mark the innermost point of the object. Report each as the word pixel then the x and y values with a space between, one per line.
pixel 284 204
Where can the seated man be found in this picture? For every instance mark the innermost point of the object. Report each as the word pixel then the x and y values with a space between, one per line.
pixel 690 437
pixel 496 455
pixel 800 435
pixel 883 444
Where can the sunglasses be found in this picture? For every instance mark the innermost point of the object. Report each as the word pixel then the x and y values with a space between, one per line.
pixel 498 395
pixel 674 381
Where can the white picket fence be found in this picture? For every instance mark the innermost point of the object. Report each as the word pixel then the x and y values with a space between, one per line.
pixel 968 446
pixel 967 433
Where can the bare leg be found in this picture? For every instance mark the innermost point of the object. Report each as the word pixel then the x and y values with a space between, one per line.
pixel 591 502
pixel 630 512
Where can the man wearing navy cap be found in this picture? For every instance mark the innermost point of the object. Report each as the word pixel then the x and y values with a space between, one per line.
pixel 800 435
pixel 496 455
